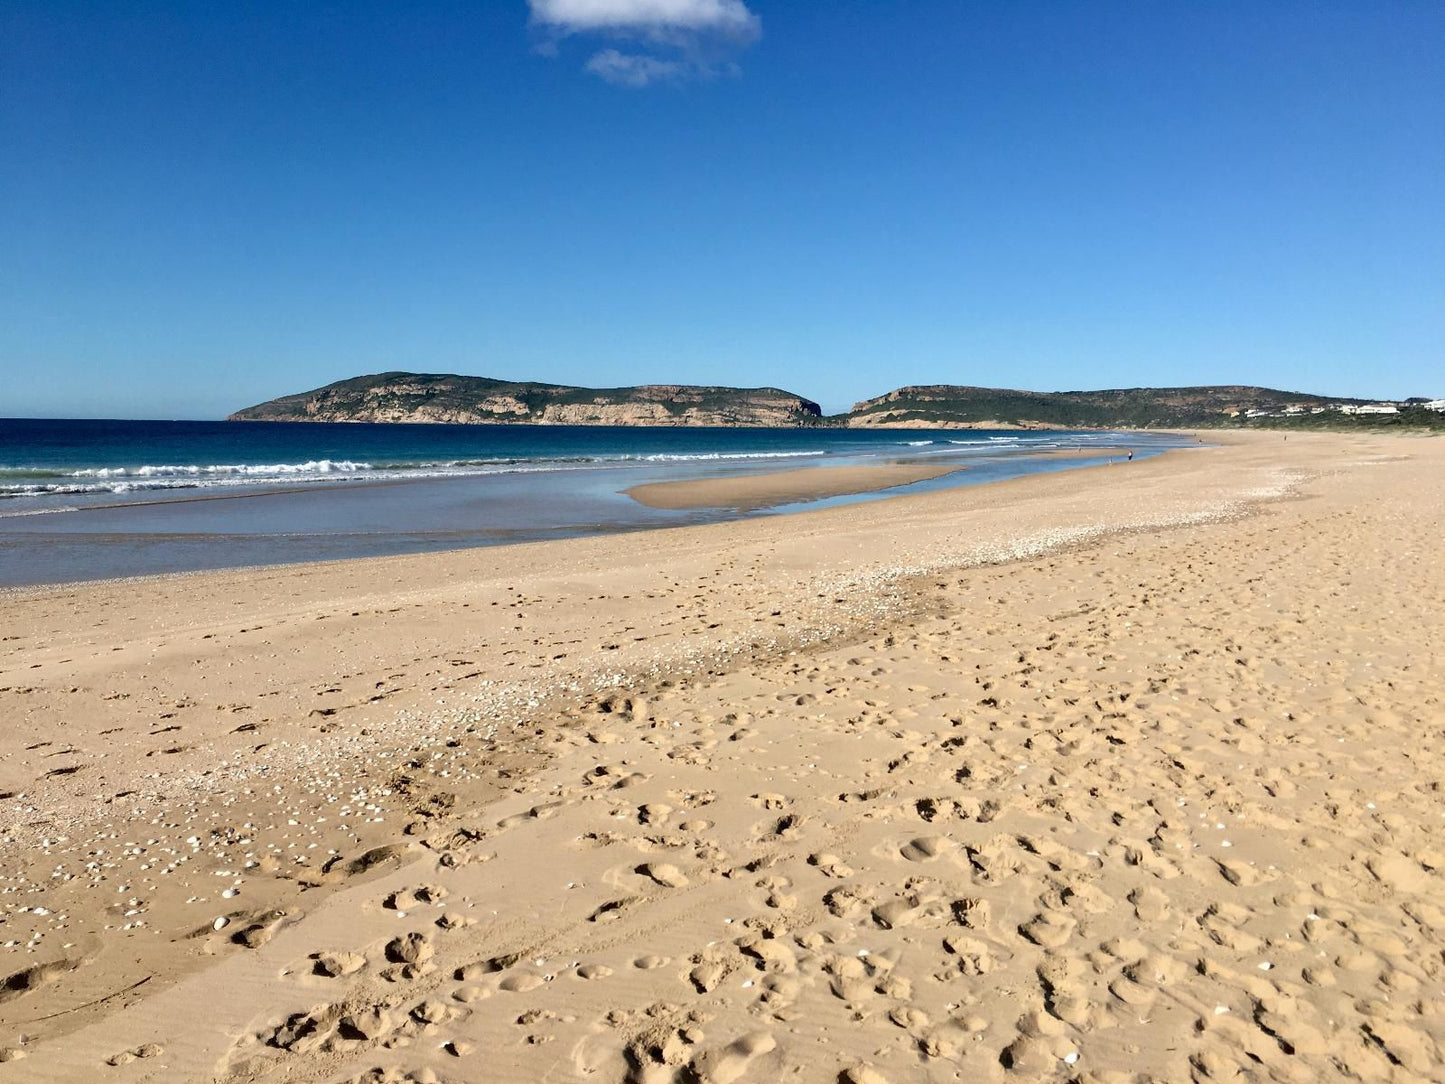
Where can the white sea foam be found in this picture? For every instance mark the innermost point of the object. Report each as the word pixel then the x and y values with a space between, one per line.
pixel 191 470
pixel 39 511
pixel 665 457
pixel 36 482
pixel 122 480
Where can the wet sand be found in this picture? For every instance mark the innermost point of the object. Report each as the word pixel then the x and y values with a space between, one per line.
pixel 1126 773
pixel 766 489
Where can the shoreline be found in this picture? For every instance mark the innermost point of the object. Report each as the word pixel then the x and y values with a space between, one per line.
pixel 343 668
pixel 751 485
pixel 383 517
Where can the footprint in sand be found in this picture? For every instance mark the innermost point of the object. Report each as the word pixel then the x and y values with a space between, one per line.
pixel 861 1074
pixel 972 913
pixel 926 848
pixel 408 898
pixel 664 874
pixel 850 980
pixel 778 898
pixel 521 982
pixel 304 1032
pixel 898 913
pixel 146 1050
pixel 847 901
pixel 32 978
pixel 414 949
pixel 706 976
pixel 771 954
pixel 771 801
pixel 611 910
pixel 1150 905
pixel 1398 872
pixel 830 865
pixel 786 828
pixel 333 965
pixel 972 956
pixel 730 1063
pixel 995 861
pixel 1240 874
pixel 1048 929
pixel 474 971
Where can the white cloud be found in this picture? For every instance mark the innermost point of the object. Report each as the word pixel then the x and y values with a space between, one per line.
pixel 634 69
pixel 677 39
pixel 729 17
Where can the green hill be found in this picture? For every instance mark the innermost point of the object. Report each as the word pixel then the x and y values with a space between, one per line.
pixel 1136 408
pixel 448 398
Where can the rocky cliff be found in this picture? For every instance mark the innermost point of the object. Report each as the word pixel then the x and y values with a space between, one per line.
pixel 429 397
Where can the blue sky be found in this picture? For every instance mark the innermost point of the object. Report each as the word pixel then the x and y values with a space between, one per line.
pixel 204 205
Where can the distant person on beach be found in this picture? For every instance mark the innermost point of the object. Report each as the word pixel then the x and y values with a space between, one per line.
pixel 1131 455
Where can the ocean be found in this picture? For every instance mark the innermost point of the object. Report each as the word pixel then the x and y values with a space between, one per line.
pixel 95 499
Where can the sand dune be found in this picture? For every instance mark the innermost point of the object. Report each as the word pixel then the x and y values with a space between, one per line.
pixel 1125 774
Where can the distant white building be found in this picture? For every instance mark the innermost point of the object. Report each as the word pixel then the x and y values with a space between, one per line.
pixel 1434 404
pixel 1368 408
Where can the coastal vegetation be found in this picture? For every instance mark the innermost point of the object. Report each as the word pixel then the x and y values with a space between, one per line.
pixel 432 397
pixel 948 405
pixel 1408 417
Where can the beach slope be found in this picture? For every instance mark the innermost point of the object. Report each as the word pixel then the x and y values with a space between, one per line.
pixel 1125 773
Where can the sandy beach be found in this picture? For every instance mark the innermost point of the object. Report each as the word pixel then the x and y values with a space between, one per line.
pixel 1125 773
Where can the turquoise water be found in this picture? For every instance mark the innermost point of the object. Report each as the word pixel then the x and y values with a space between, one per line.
pixel 94 499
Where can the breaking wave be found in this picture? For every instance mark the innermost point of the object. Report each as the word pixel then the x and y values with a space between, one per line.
pixel 24 481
